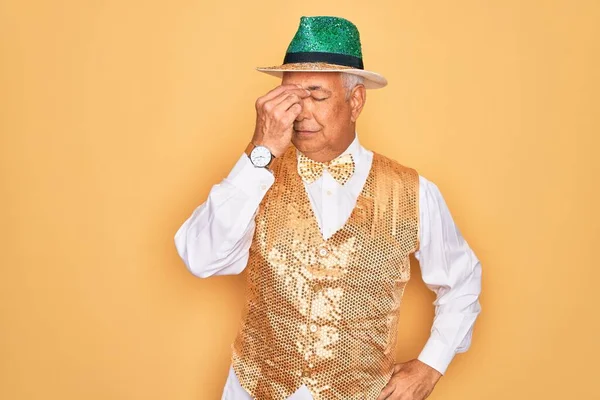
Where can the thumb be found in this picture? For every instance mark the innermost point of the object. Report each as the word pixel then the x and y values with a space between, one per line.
pixel 398 366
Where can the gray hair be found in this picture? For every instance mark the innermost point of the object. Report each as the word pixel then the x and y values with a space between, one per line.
pixel 350 81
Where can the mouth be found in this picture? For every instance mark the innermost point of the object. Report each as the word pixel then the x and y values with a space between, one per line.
pixel 304 132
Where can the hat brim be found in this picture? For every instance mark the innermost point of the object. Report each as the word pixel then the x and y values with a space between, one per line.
pixel 373 80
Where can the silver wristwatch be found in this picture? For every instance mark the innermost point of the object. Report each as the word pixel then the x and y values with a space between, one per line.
pixel 260 156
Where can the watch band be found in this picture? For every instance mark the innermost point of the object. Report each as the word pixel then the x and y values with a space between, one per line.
pixel 249 148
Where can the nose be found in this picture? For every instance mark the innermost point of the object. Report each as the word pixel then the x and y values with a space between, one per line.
pixel 305 113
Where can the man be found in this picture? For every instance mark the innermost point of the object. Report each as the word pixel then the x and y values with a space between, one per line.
pixel 324 229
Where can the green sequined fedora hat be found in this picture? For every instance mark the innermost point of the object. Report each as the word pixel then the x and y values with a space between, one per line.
pixel 326 44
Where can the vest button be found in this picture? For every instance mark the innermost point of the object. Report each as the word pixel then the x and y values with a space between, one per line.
pixel 323 252
pixel 313 328
pixel 317 286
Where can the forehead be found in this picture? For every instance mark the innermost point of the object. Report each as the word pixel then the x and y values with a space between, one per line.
pixel 326 80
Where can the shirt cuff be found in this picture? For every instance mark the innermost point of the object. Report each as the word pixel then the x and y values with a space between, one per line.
pixel 254 181
pixel 437 355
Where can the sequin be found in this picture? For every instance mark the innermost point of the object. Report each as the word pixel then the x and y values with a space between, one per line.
pixel 326 34
pixel 327 320
pixel 341 168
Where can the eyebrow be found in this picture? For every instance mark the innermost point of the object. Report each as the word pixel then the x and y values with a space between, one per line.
pixel 311 88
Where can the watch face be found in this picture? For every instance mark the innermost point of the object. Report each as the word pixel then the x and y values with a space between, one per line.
pixel 260 156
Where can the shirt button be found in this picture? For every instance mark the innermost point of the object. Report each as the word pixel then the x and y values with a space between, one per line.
pixel 323 251
pixel 263 187
pixel 313 328
pixel 329 193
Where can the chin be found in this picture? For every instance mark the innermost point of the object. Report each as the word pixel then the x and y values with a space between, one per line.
pixel 297 140
pixel 305 146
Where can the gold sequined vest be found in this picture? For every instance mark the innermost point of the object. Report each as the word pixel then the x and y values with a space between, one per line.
pixel 324 313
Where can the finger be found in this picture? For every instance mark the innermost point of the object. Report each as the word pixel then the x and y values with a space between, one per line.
pixel 398 367
pixel 288 101
pixel 302 93
pixel 386 392
pixel 273 105
pixel 276 92
pixel 287 119
pixel 291 114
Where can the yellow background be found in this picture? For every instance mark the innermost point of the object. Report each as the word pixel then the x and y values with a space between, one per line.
pixel 116 117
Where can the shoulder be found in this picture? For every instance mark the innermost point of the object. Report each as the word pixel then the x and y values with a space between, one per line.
pixel 394 166
pixel 426 186
pixel 430 196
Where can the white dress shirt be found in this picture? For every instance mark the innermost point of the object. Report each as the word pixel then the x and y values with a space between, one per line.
pixel 216 238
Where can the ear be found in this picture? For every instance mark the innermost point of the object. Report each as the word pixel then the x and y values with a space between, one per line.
pixel 358 97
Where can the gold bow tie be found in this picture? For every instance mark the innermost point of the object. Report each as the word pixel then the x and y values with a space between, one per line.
pixel 340 168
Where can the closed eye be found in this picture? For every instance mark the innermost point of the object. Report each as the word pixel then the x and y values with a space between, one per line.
pixel 324 98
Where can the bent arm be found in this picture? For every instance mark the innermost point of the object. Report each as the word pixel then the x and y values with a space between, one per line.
pixel 216 237
pixel 450 269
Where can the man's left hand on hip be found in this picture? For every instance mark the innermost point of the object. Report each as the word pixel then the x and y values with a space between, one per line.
pixel 411 380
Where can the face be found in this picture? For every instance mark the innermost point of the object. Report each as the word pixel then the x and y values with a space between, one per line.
pixel 326 125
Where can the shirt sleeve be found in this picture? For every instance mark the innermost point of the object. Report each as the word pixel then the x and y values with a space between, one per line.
pixel 216 237
pixel 450 269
